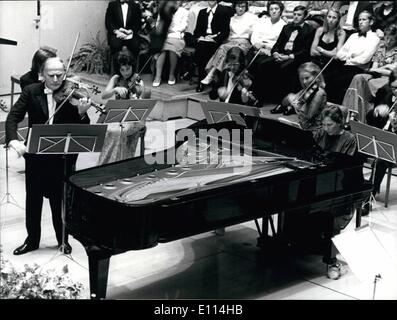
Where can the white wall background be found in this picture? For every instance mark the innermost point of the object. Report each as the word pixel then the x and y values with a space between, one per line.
pixel 60 23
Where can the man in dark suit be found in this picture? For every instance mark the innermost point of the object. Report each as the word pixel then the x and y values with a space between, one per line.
pixel 273 74
pixel 44 173
pixel 123 21
pixel 212 29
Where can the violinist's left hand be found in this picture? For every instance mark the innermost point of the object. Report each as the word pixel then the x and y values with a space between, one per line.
pixel 83 105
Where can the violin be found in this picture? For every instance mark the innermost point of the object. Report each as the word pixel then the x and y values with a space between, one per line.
pixel 308 93
pixel 135 87
pixel 72 89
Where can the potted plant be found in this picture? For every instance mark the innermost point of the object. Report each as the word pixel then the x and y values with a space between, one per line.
pixel 31 282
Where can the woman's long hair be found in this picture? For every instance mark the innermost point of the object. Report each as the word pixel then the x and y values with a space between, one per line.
pixel 326 26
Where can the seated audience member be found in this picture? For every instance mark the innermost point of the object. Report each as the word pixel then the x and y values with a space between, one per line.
pixel 234 83
pixel 383 116
pixel 123 21
pixel 385 15
pixel 328 40
pixel 212 29
pixel 38 60
pixel 266 30
pixel 292 48
pixel 310 101
pixel 365 85
pixel 125 84
pixel 356 54
pixel 173 45
pixel 349 21
pixel 241 25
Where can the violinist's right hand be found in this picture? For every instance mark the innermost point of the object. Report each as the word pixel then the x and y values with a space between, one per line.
pixel 18 146
pixel 121 91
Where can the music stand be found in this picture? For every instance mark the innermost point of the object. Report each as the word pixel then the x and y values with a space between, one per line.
pixel 216 112
pixel 65 139
pixel 127 110
pixel 375 142
pixel 121 112
pixel 22 134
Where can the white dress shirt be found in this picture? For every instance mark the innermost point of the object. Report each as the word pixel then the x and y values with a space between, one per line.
pixel 359 50
pixel 350 15
pixel 124 9
pixel 265 30
pixel 230 85
pixel 211 12
pixel 51 104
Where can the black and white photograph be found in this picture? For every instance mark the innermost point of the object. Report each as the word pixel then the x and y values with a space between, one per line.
pixel 194 152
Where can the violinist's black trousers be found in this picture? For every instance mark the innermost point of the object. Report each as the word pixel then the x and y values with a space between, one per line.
pixel 44 175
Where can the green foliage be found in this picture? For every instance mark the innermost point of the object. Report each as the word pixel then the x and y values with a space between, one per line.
pixel 92 57
pixel 33 283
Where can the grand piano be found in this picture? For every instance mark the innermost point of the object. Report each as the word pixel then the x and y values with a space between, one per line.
pixel 200 186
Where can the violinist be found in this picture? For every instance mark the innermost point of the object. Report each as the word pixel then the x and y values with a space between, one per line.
pixel 44 174
pixel 125 84
pixel 310 101
pixel 234 83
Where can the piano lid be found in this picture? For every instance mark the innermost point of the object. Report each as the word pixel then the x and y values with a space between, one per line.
pixel 8 42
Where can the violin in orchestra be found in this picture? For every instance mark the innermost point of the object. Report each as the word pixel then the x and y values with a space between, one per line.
pixel 72 89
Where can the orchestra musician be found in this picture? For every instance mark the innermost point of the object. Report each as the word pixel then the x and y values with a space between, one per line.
pixel 234 82
pixel 125 84
pixel 39 57
pixel 310 101
pixel 44 174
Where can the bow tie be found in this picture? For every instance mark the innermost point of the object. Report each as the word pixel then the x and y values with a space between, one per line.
pixel 123 1
pixel 362 34
pixel 296 28
pixel 47 91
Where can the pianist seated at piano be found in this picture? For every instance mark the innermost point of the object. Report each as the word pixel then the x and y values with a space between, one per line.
pixel 122 138
pixel 308 102
pixel 332 137
pixel 334 145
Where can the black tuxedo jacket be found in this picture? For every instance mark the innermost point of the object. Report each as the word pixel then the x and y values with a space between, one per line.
pixel 220 23
pixel 114 17
pixel 28 78
pixel 33 101
pixel 302 43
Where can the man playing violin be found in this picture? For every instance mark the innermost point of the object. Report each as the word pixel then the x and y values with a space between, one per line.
pixel 44 173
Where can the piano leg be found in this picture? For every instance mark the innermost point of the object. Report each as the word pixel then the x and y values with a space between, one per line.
pixel 99 270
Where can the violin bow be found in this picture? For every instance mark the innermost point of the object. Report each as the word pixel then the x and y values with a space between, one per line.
pixel 64 78
pixel 71 55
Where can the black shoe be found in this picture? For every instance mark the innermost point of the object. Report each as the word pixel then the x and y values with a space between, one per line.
pixel 66 248
pixel 25 248
pixel 200 87
pixel 187 76
pixel 289 111
pixel 277 109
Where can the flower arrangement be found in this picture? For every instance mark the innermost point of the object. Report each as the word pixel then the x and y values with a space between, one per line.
pixel 33 283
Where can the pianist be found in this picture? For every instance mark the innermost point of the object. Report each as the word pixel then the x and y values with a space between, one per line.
pixel 335 144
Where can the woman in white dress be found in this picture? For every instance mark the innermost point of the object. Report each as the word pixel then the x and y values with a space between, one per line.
pixel 241 25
